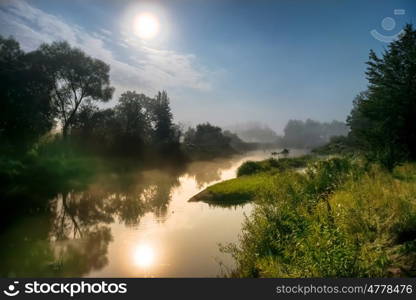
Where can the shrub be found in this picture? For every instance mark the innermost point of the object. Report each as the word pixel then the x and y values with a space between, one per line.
pixel 249 168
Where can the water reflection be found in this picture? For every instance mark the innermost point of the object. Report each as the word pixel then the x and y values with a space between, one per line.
pixel 206 172
pixel 144 256
pixel 127 224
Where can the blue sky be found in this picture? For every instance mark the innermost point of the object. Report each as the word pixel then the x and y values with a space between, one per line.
pixel 224 61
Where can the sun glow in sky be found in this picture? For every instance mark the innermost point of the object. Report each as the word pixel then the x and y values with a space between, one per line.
pixel 267 61
pixel 146 26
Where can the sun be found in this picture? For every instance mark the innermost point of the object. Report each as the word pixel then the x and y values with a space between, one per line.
pixel 146 26
pixel 144 256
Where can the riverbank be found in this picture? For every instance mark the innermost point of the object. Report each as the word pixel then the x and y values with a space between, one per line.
pixel 340 217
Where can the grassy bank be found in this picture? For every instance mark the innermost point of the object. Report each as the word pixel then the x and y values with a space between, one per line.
pixel 233 191
pixel 253 177
pixel 339 218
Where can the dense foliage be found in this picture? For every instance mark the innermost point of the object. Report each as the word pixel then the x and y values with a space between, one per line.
pixel 26 111
pixel 382 120
pixel 208 141
pixel 136 126
pixel 76 77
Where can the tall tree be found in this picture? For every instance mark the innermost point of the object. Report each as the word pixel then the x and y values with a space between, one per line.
pixel 383 118
pixel 76 77
pixel 26 111
pixel 165 132
pixel 96 130
pixel 132 116
pixel 207 141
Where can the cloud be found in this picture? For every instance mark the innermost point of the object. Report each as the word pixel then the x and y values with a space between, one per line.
pixel 145 69
pixel 106 32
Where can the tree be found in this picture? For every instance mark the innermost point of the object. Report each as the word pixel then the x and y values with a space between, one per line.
pixel 236 142
pixel 26 111
pixel 133 118
pixel 165 133
pixel 76 77
pixel 382 120
pixel 96 129
pixel 207 141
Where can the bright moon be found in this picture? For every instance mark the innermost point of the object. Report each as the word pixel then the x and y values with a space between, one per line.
pixel 144 256
pixel 146 26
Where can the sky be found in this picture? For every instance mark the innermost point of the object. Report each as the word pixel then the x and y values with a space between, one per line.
pixel 224 62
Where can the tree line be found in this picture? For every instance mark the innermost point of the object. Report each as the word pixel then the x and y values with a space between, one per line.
pixel 382 121
pixel 59 83
pixel 59 86
pixel 381 126
pixel 136 124
pixel 310 134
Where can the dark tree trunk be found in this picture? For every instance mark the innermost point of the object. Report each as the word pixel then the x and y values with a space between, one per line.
pixel 65 131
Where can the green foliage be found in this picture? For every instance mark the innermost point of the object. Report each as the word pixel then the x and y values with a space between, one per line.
pixel 338 219
pixel 382 119
pixel 165 133
pixel 274 165
pixel 207 141
pixel 135 127
pixel 26 112
pixel 52 166
pixel 76 77
pixel 131 124
pixel 325 176
pixel 336 145
pixel 236 190
pixel 249 168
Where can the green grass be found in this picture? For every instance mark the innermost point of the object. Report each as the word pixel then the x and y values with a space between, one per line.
pixel 340 218
pixel 253 178
pixel 238 189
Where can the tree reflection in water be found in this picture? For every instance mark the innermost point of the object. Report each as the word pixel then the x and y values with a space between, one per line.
pixel 71 237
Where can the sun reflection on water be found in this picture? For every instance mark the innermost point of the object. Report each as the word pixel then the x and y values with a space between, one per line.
pixel 144 256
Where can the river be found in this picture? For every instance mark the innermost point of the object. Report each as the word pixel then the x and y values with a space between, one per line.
pixel 137 224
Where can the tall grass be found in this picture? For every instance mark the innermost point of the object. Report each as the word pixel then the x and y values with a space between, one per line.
pixel 237 190
pixel 341 218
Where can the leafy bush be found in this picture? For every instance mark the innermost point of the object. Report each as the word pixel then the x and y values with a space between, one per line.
pixel 249 168
pixel 52 165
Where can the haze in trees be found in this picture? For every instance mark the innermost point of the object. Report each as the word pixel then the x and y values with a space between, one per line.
pixel 310 134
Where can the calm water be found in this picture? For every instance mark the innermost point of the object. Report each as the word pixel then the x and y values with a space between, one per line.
pixel 130 224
